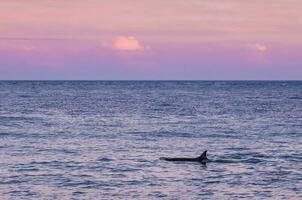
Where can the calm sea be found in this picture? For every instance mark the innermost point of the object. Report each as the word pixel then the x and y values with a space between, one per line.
pixel 103 139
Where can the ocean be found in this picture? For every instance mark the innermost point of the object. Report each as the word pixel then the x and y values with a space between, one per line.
pixel 103 139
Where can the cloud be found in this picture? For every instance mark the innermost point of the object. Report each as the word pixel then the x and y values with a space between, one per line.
pixel 33 39
pixel 24 46
pixel 258 47
pixel 128 43
pixel 29 48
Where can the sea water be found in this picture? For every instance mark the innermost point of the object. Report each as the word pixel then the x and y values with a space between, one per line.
pixel 103 139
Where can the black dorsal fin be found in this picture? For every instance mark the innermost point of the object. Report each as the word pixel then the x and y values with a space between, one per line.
pixel 203 156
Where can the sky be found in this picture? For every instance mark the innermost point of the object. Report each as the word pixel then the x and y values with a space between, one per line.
pixel 150 40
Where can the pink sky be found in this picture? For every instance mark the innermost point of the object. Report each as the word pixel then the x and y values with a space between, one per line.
pixel 150 39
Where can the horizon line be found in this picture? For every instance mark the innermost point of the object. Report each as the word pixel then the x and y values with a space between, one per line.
pixel 167 80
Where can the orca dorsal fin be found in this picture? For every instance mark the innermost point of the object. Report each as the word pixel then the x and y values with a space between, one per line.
pixel 203 156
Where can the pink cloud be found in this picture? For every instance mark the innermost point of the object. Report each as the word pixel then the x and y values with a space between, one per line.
pixel 258 47
pixel 127 43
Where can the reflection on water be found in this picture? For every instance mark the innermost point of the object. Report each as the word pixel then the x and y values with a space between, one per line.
pixel 103 140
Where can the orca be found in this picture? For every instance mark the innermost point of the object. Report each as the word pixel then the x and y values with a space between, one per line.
pixel 201 159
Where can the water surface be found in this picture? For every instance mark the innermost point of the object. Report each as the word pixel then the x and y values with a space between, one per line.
pixel 103 140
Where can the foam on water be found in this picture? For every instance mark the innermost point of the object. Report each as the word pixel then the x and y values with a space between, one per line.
pixel 103 140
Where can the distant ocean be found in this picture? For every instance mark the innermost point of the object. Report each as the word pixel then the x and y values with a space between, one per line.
pixel 103 139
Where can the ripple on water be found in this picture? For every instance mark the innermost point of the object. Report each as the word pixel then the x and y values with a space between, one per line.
pixel 103 140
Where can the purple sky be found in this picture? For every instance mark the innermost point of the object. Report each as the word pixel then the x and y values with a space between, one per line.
pixel 142 39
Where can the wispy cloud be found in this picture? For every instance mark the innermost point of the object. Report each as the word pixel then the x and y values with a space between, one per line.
pixel 258 47
pixel 206 20
pixel 32 39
